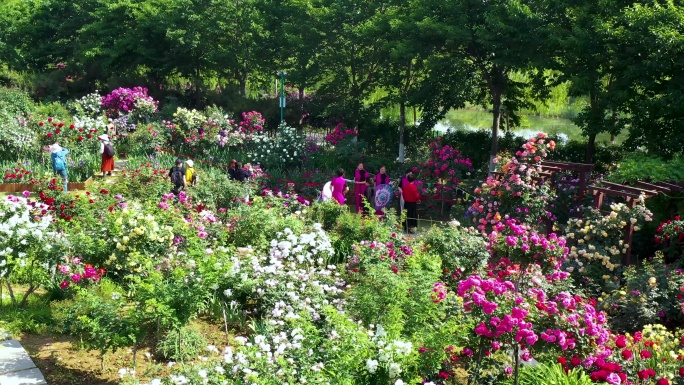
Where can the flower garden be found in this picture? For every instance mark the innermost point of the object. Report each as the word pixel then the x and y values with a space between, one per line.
pixel 521 283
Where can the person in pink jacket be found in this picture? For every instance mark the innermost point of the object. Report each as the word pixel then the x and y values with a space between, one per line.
pixel 339 186
pixel 360 176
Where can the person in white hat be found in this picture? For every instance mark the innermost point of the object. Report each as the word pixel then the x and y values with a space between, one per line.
pixel 59 164
pixel 107 152
pixel 190 173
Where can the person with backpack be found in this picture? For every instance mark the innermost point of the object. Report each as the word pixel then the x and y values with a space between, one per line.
pixel 59 164
pixel 177 176
pixel 190 173
pixel 107 153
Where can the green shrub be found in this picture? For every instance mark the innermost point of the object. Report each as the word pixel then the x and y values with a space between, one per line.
pixel 191 344
pixel 16 101
pixel 640 166
pixel 327 213
pixel 552 374
pixel 462 251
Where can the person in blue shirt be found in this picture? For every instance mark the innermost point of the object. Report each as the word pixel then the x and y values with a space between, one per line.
pixel 59 163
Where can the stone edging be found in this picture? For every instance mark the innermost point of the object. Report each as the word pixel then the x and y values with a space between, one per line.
pixel 16 367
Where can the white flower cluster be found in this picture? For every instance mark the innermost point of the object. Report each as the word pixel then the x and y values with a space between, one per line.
pixel 291 284
pixel 189 120
pixel 89 106
pixel 599 238
pixel 23 225
pixel 390 354
pixel 286 149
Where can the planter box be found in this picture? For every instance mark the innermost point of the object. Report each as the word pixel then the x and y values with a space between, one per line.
pixel 21 187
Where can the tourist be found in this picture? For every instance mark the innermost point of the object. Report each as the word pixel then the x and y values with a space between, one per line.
pixel 382 177
pixel 339 186
pixel 190 173
pixel 402 181
pixel 59 163
pixel 360 176
pixel 370 196
pixel 241 174
pixel 107 153
pixel 410 194
pixel 231 169
pixel 177 176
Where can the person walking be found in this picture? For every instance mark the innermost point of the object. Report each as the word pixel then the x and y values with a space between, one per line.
pixel 410 193
pixel 107 153
pixel 177 176
pixel 360 176
pixel 339 187
pixel 59 163
pixel 190 173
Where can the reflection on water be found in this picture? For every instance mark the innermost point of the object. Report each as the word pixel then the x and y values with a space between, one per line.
pixel 524 133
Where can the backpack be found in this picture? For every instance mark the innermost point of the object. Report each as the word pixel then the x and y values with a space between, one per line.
pixel 109 150
pixel 177 176
pixel 59 164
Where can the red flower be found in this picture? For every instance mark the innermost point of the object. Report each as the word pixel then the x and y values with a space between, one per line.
pixel 80 138
pixel 41 124
pixel 637 337
pixel 57 131
pixel 621 342
pixel 49 119
pixel 643 374
pixel 72 126
pixel 681 371
pixel 101 271
pixel 645 354
pixel 627 354
pixel 89 136
pixel 49 135
pixel 61 125
pixel 663 381
pixel 68 217
pixel 562 360
pixel 103 191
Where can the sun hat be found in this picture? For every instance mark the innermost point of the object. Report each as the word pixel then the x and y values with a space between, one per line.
pixel 190 162
pixel 55 148
pixel 103 137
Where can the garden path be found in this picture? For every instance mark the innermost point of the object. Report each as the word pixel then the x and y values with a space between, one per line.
pixel 16 367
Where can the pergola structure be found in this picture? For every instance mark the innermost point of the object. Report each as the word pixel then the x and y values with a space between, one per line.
pixel 630 193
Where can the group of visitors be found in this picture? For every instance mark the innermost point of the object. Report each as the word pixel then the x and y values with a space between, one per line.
pixel 365 187
pixel 59 163
pixel 183 174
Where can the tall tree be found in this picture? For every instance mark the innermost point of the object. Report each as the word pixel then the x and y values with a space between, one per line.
pixel 498 38
pixel 582 44
pixel 650 53
pixel 355 32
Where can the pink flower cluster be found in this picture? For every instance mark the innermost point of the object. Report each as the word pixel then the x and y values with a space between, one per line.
pixel 124 99
pixel 446 167
pixel 439 292
pixel 75 271
pixel 252 122
pixel 339 134
pixel 519 192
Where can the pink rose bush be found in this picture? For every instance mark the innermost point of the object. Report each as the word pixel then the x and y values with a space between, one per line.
pixel 340 134
pixel 520 192
pixel 444 169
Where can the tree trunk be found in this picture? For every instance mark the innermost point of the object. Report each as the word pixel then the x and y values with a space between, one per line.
pixel 591 149
pixel 243 84
pixel 496 122
pixel 402 127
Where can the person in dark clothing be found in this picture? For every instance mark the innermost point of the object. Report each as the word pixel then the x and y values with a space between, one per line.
pixel 231 169
pixel 410 194
pixel 177 177
pixel 370 195
pixel 241 173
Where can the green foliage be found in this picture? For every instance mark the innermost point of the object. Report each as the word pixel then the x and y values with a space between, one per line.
pixel 643 167
pixel 552 374
pixel 462 251
pixel 327 213
pixel 191 344
pixel 351 228
pixel 15 101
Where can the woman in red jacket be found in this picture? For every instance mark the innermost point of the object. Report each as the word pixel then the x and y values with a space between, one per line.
pixel 410 193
